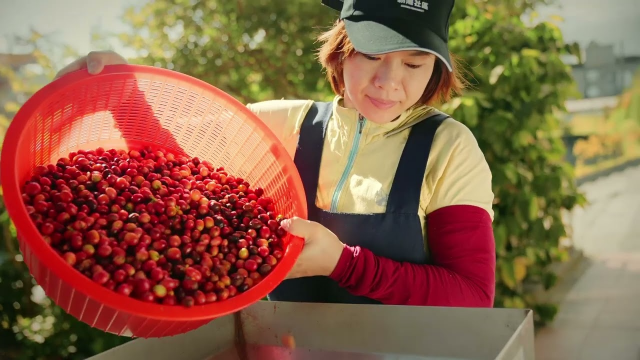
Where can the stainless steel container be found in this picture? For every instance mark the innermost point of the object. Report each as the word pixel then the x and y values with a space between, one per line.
pixel 342 331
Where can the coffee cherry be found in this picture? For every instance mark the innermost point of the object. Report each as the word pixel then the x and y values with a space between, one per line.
pixel 264 269
pixel 124 289
pixel 159 291
pixel 250 265
pixel 101 277
pixel 188 301
pixel 155 226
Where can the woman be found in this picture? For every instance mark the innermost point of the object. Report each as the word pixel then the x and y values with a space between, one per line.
pixel 399 194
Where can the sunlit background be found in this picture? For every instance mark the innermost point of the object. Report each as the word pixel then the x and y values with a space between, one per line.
pixel 611 23
pixel 590 309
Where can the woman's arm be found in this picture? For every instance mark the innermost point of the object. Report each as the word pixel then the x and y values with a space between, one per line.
pixel 463 275
pixel 459 232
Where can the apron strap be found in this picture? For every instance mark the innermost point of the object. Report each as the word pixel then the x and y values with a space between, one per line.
pixel 404 196
pixel 308 154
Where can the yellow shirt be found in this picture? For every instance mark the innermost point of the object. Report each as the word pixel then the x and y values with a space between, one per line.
pixel 456 174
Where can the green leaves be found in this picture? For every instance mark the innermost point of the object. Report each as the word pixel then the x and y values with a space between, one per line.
pixel 544 312
pixel 500 236
pixel 495 74
pixel 522 80
pixel 507 274
pixel 513 271
pixel 519 71
pixel 259 50
pixel 254 50
pixel 30 330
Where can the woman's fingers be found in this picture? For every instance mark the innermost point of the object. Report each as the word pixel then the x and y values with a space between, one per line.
pixel 94 62
pixel 76 65
pixel 97 60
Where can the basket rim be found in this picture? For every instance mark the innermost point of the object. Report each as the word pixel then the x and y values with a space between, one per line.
pixel 47 257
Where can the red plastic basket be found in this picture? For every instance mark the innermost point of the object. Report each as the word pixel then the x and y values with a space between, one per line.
pixel 131 106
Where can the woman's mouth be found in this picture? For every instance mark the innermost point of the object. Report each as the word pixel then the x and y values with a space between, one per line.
pixel 381 104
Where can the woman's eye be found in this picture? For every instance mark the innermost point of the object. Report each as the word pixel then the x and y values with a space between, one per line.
pixel 411 66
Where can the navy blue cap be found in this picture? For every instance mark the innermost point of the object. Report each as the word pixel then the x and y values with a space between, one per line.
pixel 381 26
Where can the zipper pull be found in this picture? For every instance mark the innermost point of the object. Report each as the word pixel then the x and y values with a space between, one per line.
pixel 360 123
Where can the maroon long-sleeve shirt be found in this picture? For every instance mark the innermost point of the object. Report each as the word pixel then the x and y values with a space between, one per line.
pixel 462 248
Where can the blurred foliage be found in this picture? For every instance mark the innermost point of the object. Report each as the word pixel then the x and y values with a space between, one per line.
pixel 628 110
pixel 611 138
pixel 31 326
pixel 254 50
pixel 512 117
pixel 262 50
pixel 520 86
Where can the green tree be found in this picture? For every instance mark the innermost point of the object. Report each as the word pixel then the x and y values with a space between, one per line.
pixel 263 50
pixel 31 326
pixel 254 50
pixel 520 84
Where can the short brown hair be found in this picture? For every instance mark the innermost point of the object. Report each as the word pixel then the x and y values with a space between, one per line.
pixel 336 47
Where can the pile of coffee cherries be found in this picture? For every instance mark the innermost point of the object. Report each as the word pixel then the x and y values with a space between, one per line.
pixel 155 226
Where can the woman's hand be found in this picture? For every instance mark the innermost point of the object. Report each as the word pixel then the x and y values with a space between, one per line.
pixel 94 62
pixel 321 252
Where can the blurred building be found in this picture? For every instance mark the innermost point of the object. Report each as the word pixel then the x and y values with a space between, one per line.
pixel 601 78
pixel 603 73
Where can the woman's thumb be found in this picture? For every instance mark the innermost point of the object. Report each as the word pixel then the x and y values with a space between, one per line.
pixel 298 227
pixel 94 65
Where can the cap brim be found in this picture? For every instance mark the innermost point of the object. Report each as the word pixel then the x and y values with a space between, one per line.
pixel 373 38
pixel 334 4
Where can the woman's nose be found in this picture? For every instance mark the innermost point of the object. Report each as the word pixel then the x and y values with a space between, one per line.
pixel 388 76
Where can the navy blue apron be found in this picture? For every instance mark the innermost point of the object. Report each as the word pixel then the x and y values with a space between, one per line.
pixel 395 234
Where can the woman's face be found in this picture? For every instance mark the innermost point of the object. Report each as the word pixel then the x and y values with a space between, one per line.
pixel 381 87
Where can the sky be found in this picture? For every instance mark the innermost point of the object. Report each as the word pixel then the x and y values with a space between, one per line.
pixel 66 21
pixel 607 22
pixel 613 21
